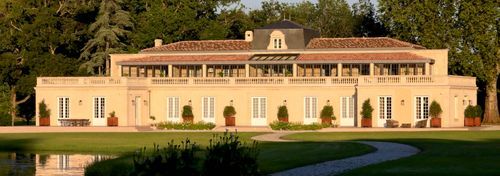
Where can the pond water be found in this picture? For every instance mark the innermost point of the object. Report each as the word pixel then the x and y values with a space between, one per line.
pixel 27 164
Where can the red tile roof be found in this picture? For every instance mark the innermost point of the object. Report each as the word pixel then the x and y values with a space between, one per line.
pixel 203 45
pixel 372 42
pixel 189 58
pixel 360 56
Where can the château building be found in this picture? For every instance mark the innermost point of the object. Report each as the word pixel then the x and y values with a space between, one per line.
pixel 278 64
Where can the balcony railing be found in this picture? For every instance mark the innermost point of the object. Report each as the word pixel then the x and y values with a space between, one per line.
pixel 268 81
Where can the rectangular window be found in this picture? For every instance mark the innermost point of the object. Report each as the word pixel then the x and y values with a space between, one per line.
pixel 421 107
pixel 99 107
pixel 259 107
pixel 385 107
pixel 208 108
pixel 310 107
pixel 63 107
pixel 278 70
pixel 346 107
pixel 172 108
pixel 355 69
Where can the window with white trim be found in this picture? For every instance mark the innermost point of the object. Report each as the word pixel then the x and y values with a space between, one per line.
pixel 346 107
pixel 173 108
pixel 310 107
pixel 208 107
pixel 99 107
pixel 385 107
pixel 63 107
pixel 421 107
pixel 259 109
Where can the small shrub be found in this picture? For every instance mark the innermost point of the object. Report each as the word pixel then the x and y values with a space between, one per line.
pixel 229 111
pixel 185 126
pixel 226 155
pixel 187 111
pixel 469 112
pixel 43 111
pixel 367 109
pixel 171 160
pixel 435 109
pixel 478 111
pixel 327 112
pixel 277 125
pixel 282 112
pixel 112 114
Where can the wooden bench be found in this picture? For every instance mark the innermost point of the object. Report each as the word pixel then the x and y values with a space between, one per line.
pixel 392 124
pixel 421 124
pixel 74 122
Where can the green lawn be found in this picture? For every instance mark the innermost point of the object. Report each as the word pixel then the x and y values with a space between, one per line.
pixel 273 156
pixel 443 153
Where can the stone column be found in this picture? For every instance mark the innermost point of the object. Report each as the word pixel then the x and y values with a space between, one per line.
pixel 372 69
pixel 170 70
pixel 427 69
pixel 204 70
pixel 247 70
pixel 339 70
pixel 294 69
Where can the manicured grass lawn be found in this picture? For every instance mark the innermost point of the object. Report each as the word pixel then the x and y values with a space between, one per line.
pixel 443 153
pixel 273 156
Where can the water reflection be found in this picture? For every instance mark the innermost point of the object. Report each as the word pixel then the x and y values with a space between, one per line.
pixel 25 164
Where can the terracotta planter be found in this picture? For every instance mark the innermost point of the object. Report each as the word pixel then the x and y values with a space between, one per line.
pixel 436 122
pixel 477 121
pixel 112 121
pixel 44 121
pixel 283 119
pixel 230 121
pixel 366 122
pixel 468 121
pixel 326 121
pixel 188 119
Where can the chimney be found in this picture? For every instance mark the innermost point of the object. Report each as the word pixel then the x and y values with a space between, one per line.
pixel 248 36
pixel 158 42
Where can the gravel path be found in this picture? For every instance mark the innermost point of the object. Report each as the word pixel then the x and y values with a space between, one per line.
pixel 386 151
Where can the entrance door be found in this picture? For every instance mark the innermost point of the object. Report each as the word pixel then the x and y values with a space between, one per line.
pixel 310 110
pixel 259 111
pixel 173 114
pixel 384 110
pixel 347 111
pixel 99 109
pixel 208 109
pixel 138 113
pixel 421 108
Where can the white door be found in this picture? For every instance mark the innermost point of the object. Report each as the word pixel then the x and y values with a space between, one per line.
pixel 259 111
pixel 421 108
pixel 310 110
pixel 63 109
pixel 99 109
pixel 208 109
pixel 138 113
pixel 384 110
pixel 173 114
pixel 347 111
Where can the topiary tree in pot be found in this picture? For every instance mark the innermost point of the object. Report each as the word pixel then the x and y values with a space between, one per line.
pixel 326 114
pixel 366 114
pixel 435 112
pixel 282 114
pixel 112 119
pixel 469 116
pixel 229 113
pixel 43 114
pixel 187 114
pixel 478 112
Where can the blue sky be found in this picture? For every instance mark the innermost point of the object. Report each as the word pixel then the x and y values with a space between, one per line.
pixel 253 4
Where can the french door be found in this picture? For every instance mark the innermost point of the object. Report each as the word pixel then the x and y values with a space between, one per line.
pixel 347 116
pixel 421 108
pixel 208 109
pixel 99 110
pixel 259 111
pixel 384 110
pixel 173 114
pixel 310 110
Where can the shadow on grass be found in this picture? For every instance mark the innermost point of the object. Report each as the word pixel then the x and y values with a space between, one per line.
pixel 273 156
pixel 16 145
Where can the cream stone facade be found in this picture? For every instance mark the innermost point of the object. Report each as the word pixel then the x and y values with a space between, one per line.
pixel 307 73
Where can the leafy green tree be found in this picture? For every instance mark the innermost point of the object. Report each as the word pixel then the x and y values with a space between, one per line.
pixel 334 18
pixel 366 22
pixel 468 28
pixel 110 34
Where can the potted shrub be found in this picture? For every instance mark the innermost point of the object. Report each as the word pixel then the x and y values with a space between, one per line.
pixel 326 114
pixel 435 112
pixel 153 118
pixel 112 119
pixel 43 114
pixel 282 114
pixel 229 113
pixel 187 114
pixel 469 116
pixel 477 115
pixel 366 113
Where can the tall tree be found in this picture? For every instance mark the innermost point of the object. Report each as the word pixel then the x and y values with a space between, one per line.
pixel 366 21
pixel 334 18
pixel 468 28
pixel 110 34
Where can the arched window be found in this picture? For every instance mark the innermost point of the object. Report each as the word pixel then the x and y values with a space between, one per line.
pixel 277 41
